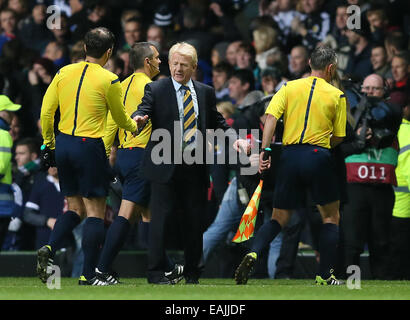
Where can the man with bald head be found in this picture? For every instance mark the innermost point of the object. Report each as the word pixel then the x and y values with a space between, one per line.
pixel 373 86
pixel 370 177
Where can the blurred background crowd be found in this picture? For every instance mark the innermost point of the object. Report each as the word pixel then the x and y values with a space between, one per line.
pixel 247 50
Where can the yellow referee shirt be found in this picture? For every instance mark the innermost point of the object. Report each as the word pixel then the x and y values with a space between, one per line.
pixel 84 92
pixel 312 110
pixel 133 89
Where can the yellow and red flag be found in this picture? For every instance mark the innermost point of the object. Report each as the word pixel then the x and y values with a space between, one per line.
pixel 247 224
pixel 248 220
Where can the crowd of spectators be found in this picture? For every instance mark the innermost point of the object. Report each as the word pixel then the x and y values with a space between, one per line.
pixel 243 46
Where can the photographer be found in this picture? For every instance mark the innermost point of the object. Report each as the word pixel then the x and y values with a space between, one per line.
pixel 370 177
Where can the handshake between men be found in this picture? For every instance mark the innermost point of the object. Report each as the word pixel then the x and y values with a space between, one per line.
pixel 240 145
pixel 141 122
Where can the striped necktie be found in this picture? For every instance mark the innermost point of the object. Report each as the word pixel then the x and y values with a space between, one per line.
pixel 189 117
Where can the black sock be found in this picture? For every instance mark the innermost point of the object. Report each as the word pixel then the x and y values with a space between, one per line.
pixel 93 238
pixel 266 233
pixel 170 263
pixel 143 234
pixel 329 238
pixel 62 228
pixel 116 236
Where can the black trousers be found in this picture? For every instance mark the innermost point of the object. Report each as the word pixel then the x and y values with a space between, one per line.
pixel 4 226
pixel 185 194
pixel 366 219
pixel 289 249
pixel 400 249
pixel 292 235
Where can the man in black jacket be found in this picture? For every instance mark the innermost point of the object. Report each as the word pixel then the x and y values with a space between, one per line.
pixel 185 109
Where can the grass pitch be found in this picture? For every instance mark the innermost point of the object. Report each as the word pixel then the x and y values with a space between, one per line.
pixel 208 289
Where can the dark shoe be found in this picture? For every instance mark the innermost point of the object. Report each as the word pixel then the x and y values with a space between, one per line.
pixel 171 277
pixel 92 282
pixel 44 261
pixel 245 268
pixel 176 274
pixel 109 277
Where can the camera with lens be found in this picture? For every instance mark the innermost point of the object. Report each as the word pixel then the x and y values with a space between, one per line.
pixel 376 114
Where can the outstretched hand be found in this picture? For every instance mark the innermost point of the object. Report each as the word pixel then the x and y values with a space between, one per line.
pixel 141 121
pixel 242 145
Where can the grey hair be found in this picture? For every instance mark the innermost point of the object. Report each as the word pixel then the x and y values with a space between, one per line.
pixel 322 56
pixel 185 49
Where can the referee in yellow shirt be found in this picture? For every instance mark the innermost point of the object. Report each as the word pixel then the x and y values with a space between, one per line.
pixel 144 59
pixel 314 115
pixel 84 92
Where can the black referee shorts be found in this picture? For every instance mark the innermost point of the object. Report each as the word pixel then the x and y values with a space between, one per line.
pixel 128 167
pixel 305 168
pixel 83 167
